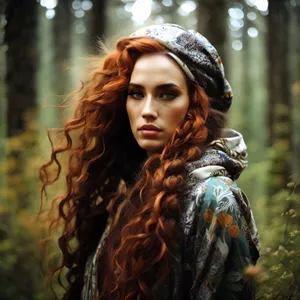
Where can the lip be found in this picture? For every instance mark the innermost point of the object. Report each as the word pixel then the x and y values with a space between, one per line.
pixel 149 127
pixel 150 133
pixel 149 130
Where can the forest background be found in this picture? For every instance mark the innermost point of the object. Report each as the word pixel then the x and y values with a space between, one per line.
pixel 42 45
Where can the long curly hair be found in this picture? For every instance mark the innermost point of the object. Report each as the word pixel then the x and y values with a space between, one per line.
pixel 104 158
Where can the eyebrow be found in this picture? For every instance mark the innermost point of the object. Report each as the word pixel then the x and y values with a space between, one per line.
pixel 166 85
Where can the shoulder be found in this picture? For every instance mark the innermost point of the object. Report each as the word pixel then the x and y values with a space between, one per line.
pixel 221 193
pixel 217 192
pixel 216 206
pixel 223 208
pixel 211 204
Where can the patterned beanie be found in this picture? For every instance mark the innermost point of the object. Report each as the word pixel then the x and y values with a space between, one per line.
pixel 197 57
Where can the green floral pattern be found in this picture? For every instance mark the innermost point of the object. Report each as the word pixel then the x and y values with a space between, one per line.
pixel 223 243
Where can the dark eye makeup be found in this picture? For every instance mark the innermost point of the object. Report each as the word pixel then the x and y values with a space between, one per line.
pixel 135 94
pixel 168 95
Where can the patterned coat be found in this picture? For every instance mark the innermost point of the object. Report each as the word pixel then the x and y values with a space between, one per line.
pixel 220 235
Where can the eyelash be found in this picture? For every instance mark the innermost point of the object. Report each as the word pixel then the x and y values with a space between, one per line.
pixel 173 95
pixel 131 93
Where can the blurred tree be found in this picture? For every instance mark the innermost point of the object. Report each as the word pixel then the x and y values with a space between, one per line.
pixel 170 13
pixel 246 102
pixel 62 43
pixel 21 67
pixel 294 38
pixel 2 86
pixel 19 232
pixel 212 23
pixel 20 37
pixel 97 22
pixel 279 106
pixel 2 70
pixel 46 73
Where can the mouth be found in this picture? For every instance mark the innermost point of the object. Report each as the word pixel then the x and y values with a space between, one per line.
pixel 149 130
pixel 149 133
pixel 149 127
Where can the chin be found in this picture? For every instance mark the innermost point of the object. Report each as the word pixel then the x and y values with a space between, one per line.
pixel 152 146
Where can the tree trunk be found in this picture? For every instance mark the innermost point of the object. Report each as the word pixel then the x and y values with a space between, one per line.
pixel 97 23
pixel 246 102
pixel 280 123
pixel 20 37
pixel 21 62
pixel 62 44
pixel 3 102
pixel 295 80
pixel 212 23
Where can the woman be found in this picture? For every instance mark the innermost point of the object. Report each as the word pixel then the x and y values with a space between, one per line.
pixel 151 201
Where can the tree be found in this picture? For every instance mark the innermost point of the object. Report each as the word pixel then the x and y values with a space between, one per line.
pixel 97 22
pixel 212 23
pixel 279 120
pixel 246 102
pixel 20 38
pixel 2 88
pixel 295 81
pixel 62 44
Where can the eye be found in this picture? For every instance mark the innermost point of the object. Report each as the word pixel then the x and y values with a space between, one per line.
pixel 168 95
pixel 135 94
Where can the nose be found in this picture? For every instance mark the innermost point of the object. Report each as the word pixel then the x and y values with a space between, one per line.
pixel 149 111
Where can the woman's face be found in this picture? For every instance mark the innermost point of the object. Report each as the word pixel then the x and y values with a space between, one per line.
pixel 157 100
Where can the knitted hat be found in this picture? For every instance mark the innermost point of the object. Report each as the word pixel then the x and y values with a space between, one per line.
pixel 196 56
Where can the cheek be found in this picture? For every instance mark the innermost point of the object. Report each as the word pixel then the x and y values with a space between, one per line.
pixel 177 115
pixel 130 112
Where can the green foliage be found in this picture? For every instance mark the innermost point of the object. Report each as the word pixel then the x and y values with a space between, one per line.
pixel 281 251
pixel 21 255
pixel 21 258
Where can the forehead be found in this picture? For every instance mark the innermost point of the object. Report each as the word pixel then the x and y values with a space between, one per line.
pixel 156 69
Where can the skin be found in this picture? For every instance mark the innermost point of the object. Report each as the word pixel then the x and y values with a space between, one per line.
pixel 158 95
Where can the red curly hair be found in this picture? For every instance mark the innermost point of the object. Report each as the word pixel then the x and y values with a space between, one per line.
pixel 139 249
